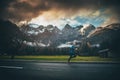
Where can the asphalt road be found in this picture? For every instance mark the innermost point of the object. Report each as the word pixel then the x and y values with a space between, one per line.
pixel 35 70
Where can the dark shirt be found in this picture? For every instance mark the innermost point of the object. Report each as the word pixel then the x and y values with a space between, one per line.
pixel 72 50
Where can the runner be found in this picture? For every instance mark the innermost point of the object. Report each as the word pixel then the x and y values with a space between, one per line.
pixel 72 53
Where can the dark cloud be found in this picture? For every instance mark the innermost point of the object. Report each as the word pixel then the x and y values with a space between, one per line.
pixel 114 5
pixel 27 9
pixel 4 4
pixel 77 3
pixel 22 9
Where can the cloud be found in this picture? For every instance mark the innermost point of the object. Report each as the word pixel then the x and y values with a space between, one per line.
pixel 59 22
pixel 112 19
pixel 24 9
pixel 21 10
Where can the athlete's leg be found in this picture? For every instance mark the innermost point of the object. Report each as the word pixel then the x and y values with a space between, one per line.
pixel 69 58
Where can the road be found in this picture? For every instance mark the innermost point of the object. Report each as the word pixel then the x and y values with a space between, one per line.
pixel 35 70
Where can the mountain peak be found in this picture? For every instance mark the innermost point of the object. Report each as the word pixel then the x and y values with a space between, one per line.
pixel 67 26
pixel 87 29
pixel 89 26
pixel 79 27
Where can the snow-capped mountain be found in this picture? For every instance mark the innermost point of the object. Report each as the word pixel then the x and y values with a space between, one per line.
pixel 107 37
pixel 107 33
pixel 53 35
pixel 42 34
pixel 14 38
pixel 70 33
pixel 87 29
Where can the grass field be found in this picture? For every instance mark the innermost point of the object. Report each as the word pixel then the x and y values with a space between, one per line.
pixel 61 58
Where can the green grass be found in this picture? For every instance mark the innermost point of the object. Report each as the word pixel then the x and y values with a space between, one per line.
pixel 62 58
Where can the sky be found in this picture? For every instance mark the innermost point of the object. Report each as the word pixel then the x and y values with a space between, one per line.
pixel 61 12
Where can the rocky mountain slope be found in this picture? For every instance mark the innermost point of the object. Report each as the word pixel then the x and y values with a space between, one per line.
pixel 108 37
pixel 54 36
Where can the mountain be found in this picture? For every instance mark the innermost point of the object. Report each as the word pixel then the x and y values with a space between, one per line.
pixel 70 33
pixel 107 37
pixel 14 38
pixel 67 32
pixel 87 29
pixel 78 27
pixel 43 34
pixel 11 37
pixel 52 35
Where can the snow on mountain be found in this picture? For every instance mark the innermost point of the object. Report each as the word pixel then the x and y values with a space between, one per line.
pixel 35 44
pixel 87 29
pixel 70 33
pixel 33 25
pixel 69 44
pixel 54 34
pixel 64 46
pixel 107 37
pixel 78 27
pixel 33 32
pixel 33 29
pixel 50 28
pixel 102 33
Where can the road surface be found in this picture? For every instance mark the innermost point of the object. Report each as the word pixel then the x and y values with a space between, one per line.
pixel 35 70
